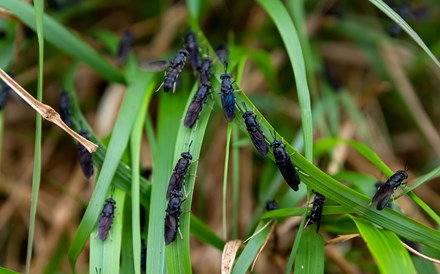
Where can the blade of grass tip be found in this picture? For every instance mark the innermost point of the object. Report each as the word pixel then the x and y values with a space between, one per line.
pixel 36 176
pixel 105 255
pixel 178 253
pixel 310 257
pixel 399 20
pixel 386 248
pixel 135 146
pixel 125 120
pixel 169 114
pixel 60 37
pixel 285 26
pixel 225 182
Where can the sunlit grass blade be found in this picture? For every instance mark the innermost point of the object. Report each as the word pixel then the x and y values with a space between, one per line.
pixel 63 39
pixel 131 105
pixel 36 176
pixel 385 246
pixel 310 256
pixel 285 26
pixel 105 255
pixel 399 20
pixel 4 270
pixel 420 181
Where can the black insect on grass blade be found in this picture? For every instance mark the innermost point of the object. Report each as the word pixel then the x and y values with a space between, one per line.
pixel 282 160
pixel 254 131
pixel 65 113
pixel 106 218
pixel 193 50
pixel 85 157
pixel 227 96
pixel 179 173
pixel 386 190
pixel 174 69
pixel 316 213
pixel 196 105
pixel 173 212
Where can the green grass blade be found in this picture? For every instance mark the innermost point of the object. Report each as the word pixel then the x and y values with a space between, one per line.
pixel 169 114
pixel 135 146
pixel 178 253
pixel 7 271
pixel 225 182
pixel 105 255
pixel 289 35
pixel 385 246
pixel 63 39
pixel 310 257
pixel 127 260
pixel 423 179
pixel 126 118
pixel 425 207
pixel 399 20
pixel 36 176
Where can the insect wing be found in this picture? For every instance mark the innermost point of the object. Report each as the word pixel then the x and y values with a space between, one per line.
pixel 176 183
pixel 171 226
pixel 383 195
pixel 192 114
pixel 259 141
pixel 105 223
pixel 228 103
pixel 155 66
pixel 289 173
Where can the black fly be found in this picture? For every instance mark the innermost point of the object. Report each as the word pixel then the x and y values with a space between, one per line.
pixel 179 172
pixel 271 205
pixel 193 50
pixel 386 190
pixel 125 46
pixel 85 157
pixel 205 72
pixel 106 219
pixel 254 131
pixel 4 94
pixel 194 109
pixel 228 97
pixel 315 215
pixel 222 53
pixel 65 108
pixel 173 212
pixel 173 71
pixel 282 159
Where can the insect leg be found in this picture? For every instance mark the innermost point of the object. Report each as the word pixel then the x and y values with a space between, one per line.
pixel 161 85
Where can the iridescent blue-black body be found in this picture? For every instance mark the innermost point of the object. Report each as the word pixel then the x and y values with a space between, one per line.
pixel 282 159
pixel 65 113
pixel 228 97
pixel 179 173
pixel 125 46
pixel 4 92
pixel 386 190
pixel 254 131
pixel 85 157
pixel 193 50
pixel 196 105
pixel 173 212
pixel 271 205
pixel 174 70
pixel 315 215
pixel 106 219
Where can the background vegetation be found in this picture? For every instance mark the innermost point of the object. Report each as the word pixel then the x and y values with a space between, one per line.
pixel 338 82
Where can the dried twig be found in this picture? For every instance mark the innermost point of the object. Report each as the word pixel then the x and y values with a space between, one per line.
pixel 46 111
pixel 415 252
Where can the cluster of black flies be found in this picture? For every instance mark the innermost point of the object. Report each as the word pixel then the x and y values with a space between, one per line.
pixel 174 193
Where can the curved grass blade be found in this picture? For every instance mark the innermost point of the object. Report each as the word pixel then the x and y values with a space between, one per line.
pixel 399 20
pixel 386 248
pixel 310 256
pixel 289 35
pixel 63 39
pixel 200 230
pixel 7 271
pixel 142 86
